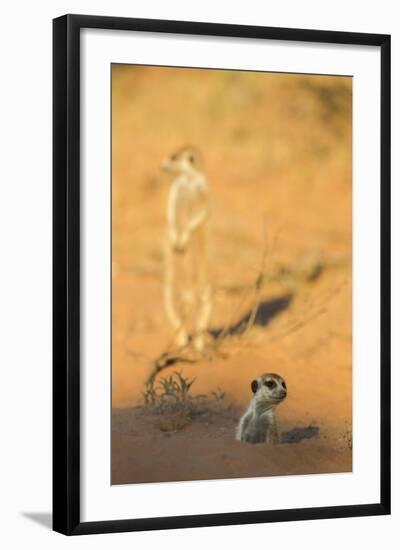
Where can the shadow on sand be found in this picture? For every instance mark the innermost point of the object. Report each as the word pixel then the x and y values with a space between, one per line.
pixel 298 434
pixel 266 311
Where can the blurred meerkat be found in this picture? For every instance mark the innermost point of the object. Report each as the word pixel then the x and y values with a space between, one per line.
pixel 258 424
pixel 187 292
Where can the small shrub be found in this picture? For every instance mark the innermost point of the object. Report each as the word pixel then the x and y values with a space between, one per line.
pixel 150 395
pixel 173 405
pixel 175 386
pixel 218 394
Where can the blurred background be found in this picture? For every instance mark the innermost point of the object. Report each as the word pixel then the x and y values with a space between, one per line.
pixel 277 152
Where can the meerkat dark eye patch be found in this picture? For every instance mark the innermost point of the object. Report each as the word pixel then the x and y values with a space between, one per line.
pixel 283 385
pixel 191 159
pixel 270 384
pixel 254 386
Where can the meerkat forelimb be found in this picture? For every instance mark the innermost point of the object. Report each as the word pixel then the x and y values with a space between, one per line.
pixel 258 424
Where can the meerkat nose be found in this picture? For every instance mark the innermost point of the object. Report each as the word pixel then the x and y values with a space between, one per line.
pixel 282 393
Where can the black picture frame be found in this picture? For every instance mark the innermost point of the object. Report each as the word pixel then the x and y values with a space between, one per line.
pixel 66 273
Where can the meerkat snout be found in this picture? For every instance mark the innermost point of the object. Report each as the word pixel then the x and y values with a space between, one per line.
pixel 258 424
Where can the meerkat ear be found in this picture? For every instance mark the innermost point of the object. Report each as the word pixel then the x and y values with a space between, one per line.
pixel 254 386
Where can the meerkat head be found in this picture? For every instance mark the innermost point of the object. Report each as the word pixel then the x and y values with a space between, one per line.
pixel 183 161
pixel 269 389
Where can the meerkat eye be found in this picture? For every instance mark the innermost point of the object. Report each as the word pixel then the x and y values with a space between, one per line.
pixel 270 384
pixel 284 385
pixel 191 159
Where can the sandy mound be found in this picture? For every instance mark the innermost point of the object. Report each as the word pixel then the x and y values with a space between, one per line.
pixel 151 447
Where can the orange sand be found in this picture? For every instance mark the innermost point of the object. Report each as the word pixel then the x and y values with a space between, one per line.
pixel 277 152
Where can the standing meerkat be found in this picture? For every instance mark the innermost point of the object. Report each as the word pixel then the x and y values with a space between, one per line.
pixel 187 292
pixel 258 424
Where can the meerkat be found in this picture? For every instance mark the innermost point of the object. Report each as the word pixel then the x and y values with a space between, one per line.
pixel 258 424
pixel 187 292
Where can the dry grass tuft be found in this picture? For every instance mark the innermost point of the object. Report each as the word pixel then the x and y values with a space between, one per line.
pixel 170 401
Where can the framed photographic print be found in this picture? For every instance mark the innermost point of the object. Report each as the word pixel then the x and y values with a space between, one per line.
pixel 221 274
